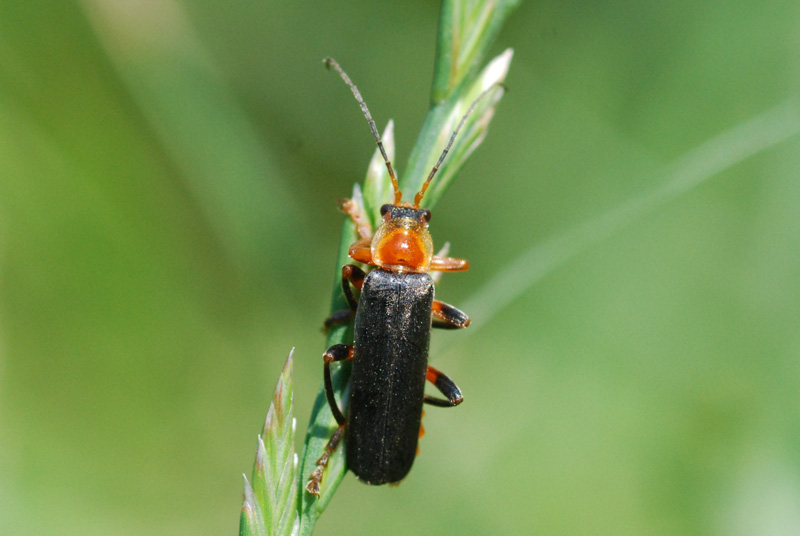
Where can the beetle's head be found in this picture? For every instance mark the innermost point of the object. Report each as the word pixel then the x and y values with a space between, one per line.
pixel 402 243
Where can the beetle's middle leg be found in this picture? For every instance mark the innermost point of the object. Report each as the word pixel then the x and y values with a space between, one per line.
pixel 351 275
pixel 447 316
pixel 337 352
pixel 446 386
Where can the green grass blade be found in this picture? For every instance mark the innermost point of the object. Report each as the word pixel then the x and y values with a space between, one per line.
pixel 251 521
pixel 466 29
pixel 270 503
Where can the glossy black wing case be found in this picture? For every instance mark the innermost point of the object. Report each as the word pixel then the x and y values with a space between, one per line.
pixel 392 334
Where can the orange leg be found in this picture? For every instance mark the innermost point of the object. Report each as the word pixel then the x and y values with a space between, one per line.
pixel 448 264
pixel 361 251
pixel 437 276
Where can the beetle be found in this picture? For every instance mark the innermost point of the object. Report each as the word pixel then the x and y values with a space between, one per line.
pixel 393 318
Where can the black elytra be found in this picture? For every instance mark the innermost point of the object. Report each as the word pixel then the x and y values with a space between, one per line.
pixel 392 334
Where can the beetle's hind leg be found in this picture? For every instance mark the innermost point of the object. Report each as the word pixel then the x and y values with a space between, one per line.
pixel 315 477
pixel 351 275
pixel 446 386
pixel 337 352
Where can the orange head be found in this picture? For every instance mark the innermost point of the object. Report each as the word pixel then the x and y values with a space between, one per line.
pixel 402 243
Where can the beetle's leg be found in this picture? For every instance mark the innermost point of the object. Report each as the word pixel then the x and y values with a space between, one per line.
pixel 361 251
pixel 447 316
pixel 448 264
pixel 351 275
pixel 357 216
pixel 315 477
pixel 354 276
pixel 342 316
pixel 437 276
pixel 446 386
pixel 421 431
pixel 337 352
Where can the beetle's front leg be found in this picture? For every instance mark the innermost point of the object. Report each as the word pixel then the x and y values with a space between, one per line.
pixel 357 216
pixel 446 386
pixel 449 264
pixel 361 251
pixel 337 352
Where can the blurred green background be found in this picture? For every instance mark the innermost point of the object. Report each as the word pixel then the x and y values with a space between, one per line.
pixel 168 230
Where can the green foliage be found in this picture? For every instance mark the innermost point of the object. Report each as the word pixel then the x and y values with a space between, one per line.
pixel 168 177
pixel 268 507
pixel 466 30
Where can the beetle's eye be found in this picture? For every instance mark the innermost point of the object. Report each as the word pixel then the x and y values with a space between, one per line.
pixel 426 215
pixel 385 208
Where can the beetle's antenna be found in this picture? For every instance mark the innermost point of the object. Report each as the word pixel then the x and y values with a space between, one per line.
pixel 421 193
pixel 330 62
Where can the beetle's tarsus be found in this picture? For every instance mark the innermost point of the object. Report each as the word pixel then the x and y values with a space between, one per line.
pixel 315 477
